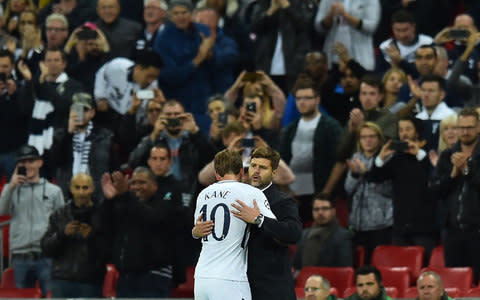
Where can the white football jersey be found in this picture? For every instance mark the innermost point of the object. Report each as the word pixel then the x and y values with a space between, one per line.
pixel 224 251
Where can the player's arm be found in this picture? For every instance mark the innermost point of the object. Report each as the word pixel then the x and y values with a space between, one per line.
pixel 202 227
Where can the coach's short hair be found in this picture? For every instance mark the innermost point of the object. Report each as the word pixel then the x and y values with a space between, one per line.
pixel 228 162
pixel 267 153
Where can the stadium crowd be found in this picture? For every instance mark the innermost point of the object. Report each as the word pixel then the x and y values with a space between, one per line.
pixel 112 111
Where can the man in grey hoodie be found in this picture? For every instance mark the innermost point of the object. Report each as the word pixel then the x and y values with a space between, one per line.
pixel 29 199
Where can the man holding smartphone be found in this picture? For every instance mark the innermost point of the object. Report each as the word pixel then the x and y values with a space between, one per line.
pixel 29 199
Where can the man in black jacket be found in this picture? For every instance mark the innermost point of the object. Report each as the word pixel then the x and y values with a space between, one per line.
pixel 77 240
pixel 145 230
pixel 83 147
pixel 269 269
pixel 456 179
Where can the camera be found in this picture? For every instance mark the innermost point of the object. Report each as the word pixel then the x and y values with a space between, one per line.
pixel 252 107
pixel 87 34
pixel 173 122
pixel 399 146
pixel 249 143
pixel 458 34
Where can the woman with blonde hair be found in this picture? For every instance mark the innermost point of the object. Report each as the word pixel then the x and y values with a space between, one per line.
pixel 447 138
pixel 371 216
pixel 13 11
pixel 392 81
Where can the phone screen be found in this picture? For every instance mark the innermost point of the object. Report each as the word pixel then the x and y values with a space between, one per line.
pixel 22 171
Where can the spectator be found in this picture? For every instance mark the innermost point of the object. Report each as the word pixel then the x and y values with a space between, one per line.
pixel 370 95
pixel 154 16
pixel 217 109
pixel 392 81
pixel 273 99
pixel 225 50
pixel 430 287
pixel 447 138
pixel 82 147
pixel 434 109
pixel 415 209
pixel 352 24
pixel 326 243
pixel 371 214
pixel 462 22
pixel 13 10
pixel 187 74
pixel 117 83
pixel 282 38
pixel 77 12
pixel 142 242
pixel 78 242
pixel 30 47
pixel 120 32
pixel 399 51
pixel 190 149
pixel 455 179
pixel 317 288
pixel 368 281
pixel 56 30
pixel 87 50
pixel 29 199
pixel 14 114
pixel 309 146
pixel 6 40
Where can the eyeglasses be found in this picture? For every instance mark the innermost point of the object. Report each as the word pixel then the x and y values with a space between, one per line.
pixel 311 289
pixel 56 29
pixel 465 127
pixel 305 98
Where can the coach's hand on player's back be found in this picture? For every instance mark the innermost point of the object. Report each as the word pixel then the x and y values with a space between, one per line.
pixel 202 228
pixel 245 212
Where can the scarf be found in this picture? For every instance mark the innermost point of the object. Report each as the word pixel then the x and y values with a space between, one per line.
pixel 315 241
pixel 81 144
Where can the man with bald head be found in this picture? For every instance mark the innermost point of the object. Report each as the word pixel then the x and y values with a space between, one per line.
pixel 77 241
pixel 317 288
pixel 467 23
pixel 120 32
pixel 430 287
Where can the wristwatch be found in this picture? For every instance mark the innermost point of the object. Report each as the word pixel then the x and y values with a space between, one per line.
pixel 258 220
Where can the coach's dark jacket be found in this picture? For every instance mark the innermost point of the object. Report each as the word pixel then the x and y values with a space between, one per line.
pixel 269 268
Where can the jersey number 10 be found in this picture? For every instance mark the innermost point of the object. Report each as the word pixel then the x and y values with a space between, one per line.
pixel 226 220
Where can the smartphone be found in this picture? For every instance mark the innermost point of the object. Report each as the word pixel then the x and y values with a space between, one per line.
pixel 145 94
pixel 173 122
pixel 3 77
pixel 79 110
pixel 21 170
pixel 252 107
pixel 248 143
pixel 87 34
pixel 252 76
pixel 222 119
pixel 399 146
pixel 458 34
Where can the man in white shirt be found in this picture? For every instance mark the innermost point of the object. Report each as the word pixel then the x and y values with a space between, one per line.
pixel 221 271
pixel 434 109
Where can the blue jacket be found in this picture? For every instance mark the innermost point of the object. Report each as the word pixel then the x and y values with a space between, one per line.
pixel 179 78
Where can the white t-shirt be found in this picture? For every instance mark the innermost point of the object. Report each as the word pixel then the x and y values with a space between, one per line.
pixel 224 251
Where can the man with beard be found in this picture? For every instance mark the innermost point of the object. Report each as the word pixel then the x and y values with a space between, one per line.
pixel 309 146
pixel 87 50
pixel 190 149
pixel 414 207
pixel 456 179
pixel 368 281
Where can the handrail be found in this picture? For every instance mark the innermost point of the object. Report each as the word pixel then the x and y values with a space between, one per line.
pixel 2 225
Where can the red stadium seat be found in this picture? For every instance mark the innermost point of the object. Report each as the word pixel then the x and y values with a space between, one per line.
pixel 8 279
pixel 339 278
pixel 472 293
pixel 390 290
pixel 461 278
pixel 412 292
pixel 110 282
pixel 400 256
pixel 437 259
pixel 185 290
pixel 301 293
pixel 20 293
pixel 398 277
pixel 359 256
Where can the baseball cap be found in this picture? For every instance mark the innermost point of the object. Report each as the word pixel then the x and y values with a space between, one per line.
pixel 185 3
pixel 27 152
pixel 84 99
